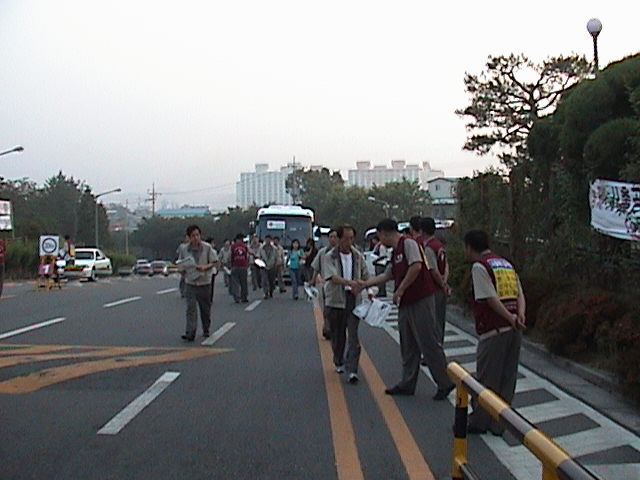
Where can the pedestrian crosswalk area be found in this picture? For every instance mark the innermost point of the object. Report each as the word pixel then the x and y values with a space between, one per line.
pixel 603 446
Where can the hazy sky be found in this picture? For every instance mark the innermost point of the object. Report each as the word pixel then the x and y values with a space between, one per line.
pixel 189 94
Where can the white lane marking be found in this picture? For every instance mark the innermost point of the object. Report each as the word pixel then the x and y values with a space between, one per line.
pixel 8 296
pixel 252 306
pixel 168 290
pixel 217 335
pixel 35 326
pixel 121 302
pixel 128 413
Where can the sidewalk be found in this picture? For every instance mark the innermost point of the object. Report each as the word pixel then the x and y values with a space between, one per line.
pixel 593 387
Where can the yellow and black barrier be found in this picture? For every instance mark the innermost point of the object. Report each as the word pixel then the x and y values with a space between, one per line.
pixel 557 464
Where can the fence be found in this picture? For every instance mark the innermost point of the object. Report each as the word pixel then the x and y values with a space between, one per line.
pixel 556 463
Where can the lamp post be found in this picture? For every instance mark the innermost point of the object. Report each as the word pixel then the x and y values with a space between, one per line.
pixel 13 150
pixel 98 196
pixel 594 27
pixel 384 204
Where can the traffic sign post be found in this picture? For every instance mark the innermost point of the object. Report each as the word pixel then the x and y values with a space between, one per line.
pixel 2 254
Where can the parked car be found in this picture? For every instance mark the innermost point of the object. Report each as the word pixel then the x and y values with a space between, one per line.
pixel 159 267
pixel 89 263
pixel 142 267
pixel 172 268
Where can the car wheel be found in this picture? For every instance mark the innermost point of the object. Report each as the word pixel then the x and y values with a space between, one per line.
pixel 93 274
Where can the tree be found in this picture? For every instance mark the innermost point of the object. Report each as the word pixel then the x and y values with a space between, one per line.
pixel 510 95
pixel 506 100
pixel 404 198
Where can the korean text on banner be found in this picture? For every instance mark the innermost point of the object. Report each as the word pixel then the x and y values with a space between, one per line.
pixel 615 208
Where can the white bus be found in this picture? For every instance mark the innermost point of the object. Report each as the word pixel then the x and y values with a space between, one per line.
pixel 289 222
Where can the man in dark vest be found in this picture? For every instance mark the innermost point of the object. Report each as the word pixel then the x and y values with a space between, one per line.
pixel 239 269
pixel 413 294
pixel 499 309
pixel 436 254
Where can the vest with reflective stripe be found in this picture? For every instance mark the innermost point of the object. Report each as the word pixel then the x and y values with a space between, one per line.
pixel 504 279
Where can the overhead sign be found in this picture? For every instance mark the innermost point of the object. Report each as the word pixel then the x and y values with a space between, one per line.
pixel 5 215
pixel 49 245
pixel 615 208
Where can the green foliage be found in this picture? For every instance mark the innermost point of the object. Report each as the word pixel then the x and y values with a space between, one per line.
pixel 21 259
pixel 62 206
pixel 119 260
pixel 334 203
pixel 159 237
pixel 483 201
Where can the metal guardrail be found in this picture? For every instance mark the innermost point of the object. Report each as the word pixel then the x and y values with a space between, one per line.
pixel 557 464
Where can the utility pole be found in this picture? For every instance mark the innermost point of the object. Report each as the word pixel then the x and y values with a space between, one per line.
pixel 153 195
pixel 294 187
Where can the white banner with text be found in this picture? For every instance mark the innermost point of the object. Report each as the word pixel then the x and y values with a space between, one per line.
pixel 615 208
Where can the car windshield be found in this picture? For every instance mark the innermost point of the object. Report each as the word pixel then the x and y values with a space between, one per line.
pixel 84 255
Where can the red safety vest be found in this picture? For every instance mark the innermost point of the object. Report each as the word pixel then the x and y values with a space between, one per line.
pixel 422 286
pixel 239 255
pixel 441 255
pixel 505 280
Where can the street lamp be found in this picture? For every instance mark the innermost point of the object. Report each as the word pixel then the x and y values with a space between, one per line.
pixel 384 204
pixel 594 27
pixel 13 150
pixel 98 196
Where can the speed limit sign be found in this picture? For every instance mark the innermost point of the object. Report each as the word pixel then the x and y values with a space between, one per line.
pixel 49 245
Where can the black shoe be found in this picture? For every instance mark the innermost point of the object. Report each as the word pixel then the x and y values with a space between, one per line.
pixel 188 338
pixel 283 290
pixel 443 393
pixel 206 334
pixel 353 378
pixel 398 391
pixel 266 296
pixel 245 301
pixel 295 298
pixel 236 300
pixel 326 335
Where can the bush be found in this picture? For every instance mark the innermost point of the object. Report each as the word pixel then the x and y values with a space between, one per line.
pixel 626 333
pixel 119 260
pixel 21 259
pixel 579 324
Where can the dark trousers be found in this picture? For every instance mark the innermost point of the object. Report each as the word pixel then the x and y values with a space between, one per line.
pixel 418 336
pixel 441 313
pixel 344 328
pixel 256 280
pixel 269 280
pixel 198 296
pixel 496 369
pixel 182 286
pixel 239 283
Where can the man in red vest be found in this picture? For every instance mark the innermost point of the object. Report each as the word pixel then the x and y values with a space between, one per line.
pixel 239 269
pixel 437 256
pixel 413 294
pixel 499 309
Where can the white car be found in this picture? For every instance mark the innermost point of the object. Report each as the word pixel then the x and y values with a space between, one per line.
pixel 89 263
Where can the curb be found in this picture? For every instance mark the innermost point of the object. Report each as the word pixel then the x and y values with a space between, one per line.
pixel 594 376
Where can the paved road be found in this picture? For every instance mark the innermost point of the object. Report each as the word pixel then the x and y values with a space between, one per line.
pixel 106 389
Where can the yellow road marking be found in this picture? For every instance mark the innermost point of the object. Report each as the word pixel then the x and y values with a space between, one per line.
pixel 344 442
pixel 410 454
pixel 121 358
pixel 106 352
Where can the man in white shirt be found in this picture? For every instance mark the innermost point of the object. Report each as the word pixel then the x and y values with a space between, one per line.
pixel 343 267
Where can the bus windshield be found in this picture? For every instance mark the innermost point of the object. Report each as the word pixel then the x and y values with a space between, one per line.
pixel 287 227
